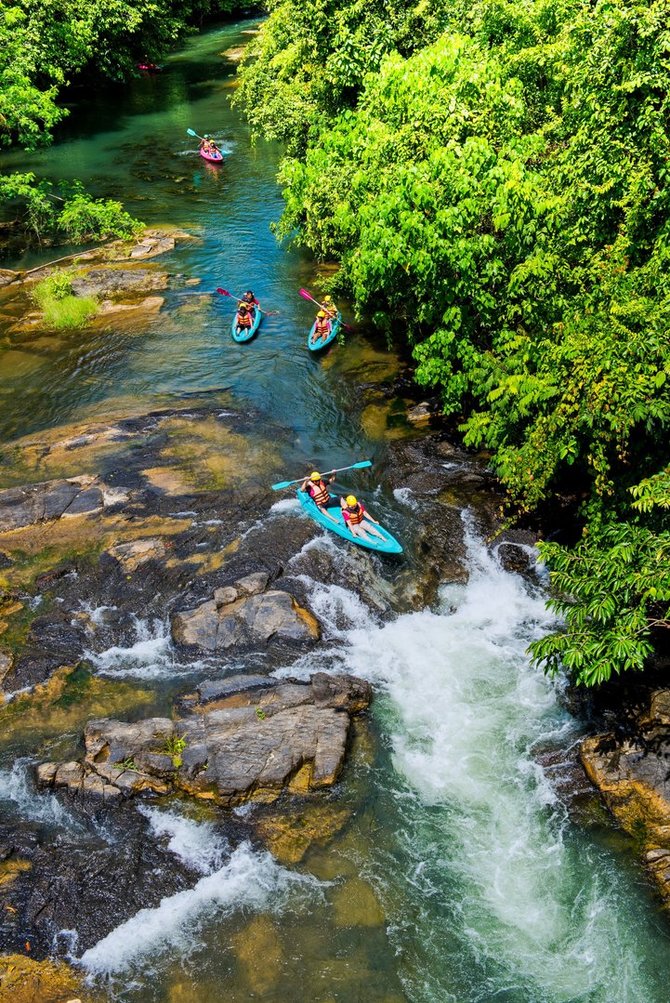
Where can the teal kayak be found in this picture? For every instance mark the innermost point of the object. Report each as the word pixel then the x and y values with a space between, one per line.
pixel 389 545
pixel 250 332
pixel 316 346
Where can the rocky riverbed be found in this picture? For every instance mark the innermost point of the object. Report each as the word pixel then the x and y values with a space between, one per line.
pixel 148 520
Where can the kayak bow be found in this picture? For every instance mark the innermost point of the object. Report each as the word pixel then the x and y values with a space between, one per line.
pixel 248 334
pixel 389 545
pixel 317 345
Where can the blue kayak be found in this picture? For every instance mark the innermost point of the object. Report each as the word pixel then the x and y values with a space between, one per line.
pixel 248 334
pixel 317 345
pixel 389 545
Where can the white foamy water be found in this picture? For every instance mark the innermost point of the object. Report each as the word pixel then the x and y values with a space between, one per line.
pixel 17 787
pixel 509 901
pixel 197 844
pixel 285 505
pixel 249 880
pixel 150 656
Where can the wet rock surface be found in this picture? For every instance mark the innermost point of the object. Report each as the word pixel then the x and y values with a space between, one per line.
pixel 241 740
pixel 632 772
pixel 141 531
pixel 82 881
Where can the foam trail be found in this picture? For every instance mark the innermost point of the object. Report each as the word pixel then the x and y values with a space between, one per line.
pixel 197 844
pixel 43 806
pixel 151 656
pixel 506 894
pixel 249 880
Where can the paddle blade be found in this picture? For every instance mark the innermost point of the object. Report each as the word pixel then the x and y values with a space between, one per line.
pixel 191 133
pixel 281 485
pixel 224 292
pixel 359 466
pixel 305 295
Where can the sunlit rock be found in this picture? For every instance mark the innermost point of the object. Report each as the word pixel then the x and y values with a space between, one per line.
pixel 236 743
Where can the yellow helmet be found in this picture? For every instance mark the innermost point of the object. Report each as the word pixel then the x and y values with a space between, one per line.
pixel 243 306
pixel 315 476
pixel 327 299
pixel 352 501
pixel 321 314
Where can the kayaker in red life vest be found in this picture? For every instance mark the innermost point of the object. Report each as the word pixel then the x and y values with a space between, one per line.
pixel 329 308
pixel 251 301
pixel 323 326
pixel 356 515
pixel 244 320
pixel 318 491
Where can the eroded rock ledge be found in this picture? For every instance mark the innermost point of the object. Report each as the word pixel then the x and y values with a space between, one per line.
pixel 633 775
pixel 240 739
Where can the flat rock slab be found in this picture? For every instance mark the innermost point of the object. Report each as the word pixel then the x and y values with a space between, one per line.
pixel 238 742
pixel 35 503
pixel 111 282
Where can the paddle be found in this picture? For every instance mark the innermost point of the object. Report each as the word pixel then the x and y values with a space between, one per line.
pixel 337 470
pixel 224 292
pixel 307 296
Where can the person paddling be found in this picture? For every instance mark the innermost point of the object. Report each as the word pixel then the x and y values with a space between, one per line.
pixel 358 518
pixel 318 491
pixel 251 302
pixel 329 308
pixel 244 319
pixel 322 326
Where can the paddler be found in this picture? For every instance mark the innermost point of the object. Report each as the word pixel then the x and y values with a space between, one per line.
pixel 206 144
pixel 251 301
pixel 323 327
pixel 329 307
pixel 317 489
pixel 244 320
pixel 357 518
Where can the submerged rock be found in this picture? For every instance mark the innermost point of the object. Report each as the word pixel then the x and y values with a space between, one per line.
pixel 24 980
pixel 632 774
pixel 240 740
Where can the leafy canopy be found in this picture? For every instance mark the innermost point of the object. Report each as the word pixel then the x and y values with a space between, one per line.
pixel 492 178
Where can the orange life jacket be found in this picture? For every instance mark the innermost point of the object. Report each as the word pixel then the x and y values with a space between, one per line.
pixel 322 326
pixel 244 319
pixel 355 516
pixel 319 492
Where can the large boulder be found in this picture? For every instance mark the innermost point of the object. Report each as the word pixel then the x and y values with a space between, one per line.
pixel 243 614
pixel 239 740
pixel 631 772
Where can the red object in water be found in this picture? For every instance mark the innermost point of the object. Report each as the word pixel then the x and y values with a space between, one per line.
pixel 149 67
pixel 213 158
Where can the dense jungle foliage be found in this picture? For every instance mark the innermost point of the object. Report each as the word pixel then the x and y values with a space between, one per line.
pixel 46 45
pixel 494 176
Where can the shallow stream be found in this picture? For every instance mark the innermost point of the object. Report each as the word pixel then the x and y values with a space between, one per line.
pixel 461 876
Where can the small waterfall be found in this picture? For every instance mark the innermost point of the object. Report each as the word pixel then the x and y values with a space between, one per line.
pixel 507 899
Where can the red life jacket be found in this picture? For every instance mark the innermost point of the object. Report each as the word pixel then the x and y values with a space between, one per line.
pixel 319 492
pixel 244 319
pixel 322 326
pixel 355 516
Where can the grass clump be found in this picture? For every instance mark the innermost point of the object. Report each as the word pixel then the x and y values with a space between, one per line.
pixel 61 308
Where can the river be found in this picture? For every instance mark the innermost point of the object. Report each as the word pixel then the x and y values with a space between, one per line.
pixel 462 877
